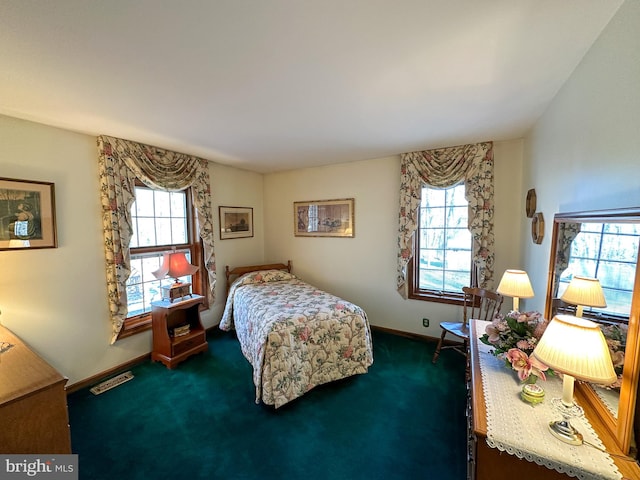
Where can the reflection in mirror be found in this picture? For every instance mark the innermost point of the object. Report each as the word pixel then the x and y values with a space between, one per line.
pixel 608 252
pixel 602 245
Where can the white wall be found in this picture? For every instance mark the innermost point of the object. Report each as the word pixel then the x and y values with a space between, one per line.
pixel 231 187
pixel 55 299
pixel 584 153
pixel 363 269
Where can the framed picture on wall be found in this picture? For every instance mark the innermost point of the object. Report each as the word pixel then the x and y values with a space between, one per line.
pixel 27 214
pixel 235 222
pixel 324 218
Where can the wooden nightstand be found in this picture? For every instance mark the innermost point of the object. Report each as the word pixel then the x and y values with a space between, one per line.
pixel 177 330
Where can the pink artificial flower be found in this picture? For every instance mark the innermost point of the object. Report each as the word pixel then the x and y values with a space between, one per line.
pixel 525 365
pixel 617 383
pixel 493 332
pixel 540 329
pixel 617 357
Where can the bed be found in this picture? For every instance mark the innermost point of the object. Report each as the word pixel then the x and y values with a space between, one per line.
pixel 295 335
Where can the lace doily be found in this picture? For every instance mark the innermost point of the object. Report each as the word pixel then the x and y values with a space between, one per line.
pixel 521 429
pixel 611 398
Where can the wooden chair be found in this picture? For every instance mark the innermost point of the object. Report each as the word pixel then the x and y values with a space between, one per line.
pixel 559 306
pixel 479 304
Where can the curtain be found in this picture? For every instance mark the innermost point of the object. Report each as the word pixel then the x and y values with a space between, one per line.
pixel 120 163
pixel 567 232
pixel 443 168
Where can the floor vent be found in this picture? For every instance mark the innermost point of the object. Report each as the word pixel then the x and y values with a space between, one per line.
pixel 111 383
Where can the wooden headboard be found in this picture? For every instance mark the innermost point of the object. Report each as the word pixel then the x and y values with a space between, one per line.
pixel 236 272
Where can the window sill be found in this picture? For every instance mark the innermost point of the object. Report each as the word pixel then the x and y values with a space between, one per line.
pixel 444 297
pixel 135 325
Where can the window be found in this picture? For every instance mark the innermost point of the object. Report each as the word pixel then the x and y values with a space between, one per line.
pixel 161 221
pixel 609 252
pixel 442 259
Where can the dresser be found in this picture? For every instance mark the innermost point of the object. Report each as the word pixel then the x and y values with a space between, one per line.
pixel 33 402
pixel 506 437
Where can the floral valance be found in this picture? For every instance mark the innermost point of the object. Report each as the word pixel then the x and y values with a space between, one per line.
pixel 567 232
pixel 121 162
pixel 443 168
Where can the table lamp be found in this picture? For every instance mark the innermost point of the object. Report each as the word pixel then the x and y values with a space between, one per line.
pixel 516 284
pixel 584 292
pixel 576 348
pixel 175 265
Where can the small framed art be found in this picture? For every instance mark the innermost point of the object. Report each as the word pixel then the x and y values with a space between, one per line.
pixel 27 214
pixel 235 222
pixel 324 218
pixel 537 228
pixel 530 205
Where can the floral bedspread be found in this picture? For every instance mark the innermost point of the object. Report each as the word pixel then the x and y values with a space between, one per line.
pixel 295 336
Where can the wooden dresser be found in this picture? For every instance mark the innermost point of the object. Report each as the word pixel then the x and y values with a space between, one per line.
pixel 485 462
pixel 33 402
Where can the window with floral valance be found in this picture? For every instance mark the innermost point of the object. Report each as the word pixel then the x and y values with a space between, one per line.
pixel 444 168
pixel 120 163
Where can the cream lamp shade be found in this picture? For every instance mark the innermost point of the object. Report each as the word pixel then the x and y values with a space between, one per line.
pixel 576 348
pixel 584 292
pixel 516 284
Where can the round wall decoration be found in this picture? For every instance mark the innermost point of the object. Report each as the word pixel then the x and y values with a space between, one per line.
pixel 537 228
pixel 531 202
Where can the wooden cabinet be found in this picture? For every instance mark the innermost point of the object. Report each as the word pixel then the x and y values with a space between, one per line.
pixel 177 330
pixel 486 463
pixel 33 402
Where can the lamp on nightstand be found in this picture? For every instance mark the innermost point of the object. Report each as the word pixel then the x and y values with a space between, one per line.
pixel 576 348
pixel 175 265
pixel 516 284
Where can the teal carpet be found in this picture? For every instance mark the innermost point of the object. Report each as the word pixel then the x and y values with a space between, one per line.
pixel 405 419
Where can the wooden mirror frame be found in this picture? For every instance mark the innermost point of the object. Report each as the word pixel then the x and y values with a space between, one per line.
pixel 622 428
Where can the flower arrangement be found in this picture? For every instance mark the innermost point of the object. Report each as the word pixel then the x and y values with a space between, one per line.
pixel 513 338
pixel 616 337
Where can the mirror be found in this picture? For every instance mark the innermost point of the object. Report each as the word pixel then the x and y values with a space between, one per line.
pixel 604 244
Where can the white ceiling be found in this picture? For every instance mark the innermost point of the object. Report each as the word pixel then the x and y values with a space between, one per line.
pixel 270 85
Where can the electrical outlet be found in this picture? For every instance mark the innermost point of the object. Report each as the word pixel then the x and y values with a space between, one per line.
pixel 425 322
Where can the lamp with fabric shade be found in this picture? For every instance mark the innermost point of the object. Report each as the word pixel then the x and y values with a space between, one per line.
pixel 575 347
pixel 516 284
pixel 175 265
pixel 584 292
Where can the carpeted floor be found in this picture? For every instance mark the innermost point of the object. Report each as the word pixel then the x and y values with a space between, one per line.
pixel 405 419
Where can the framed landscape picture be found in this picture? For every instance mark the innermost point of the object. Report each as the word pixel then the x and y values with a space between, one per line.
pixel 235 222
pixel 324 218
pixel 27 214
